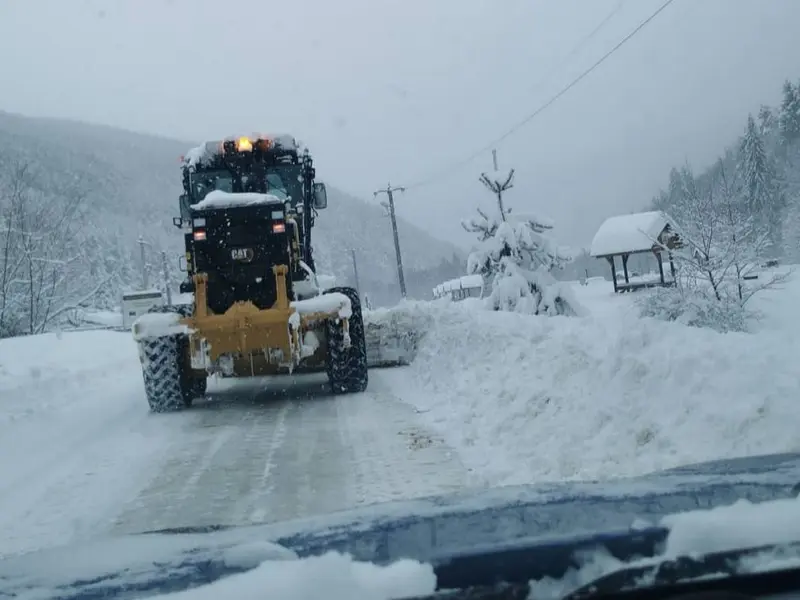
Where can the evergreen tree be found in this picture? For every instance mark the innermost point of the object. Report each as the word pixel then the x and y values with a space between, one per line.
pixel 760 194
pixel 789 119
pixel 754 169
pixel 515 258
pixel 766 120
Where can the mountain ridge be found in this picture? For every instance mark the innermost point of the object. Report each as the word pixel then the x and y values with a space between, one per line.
pixel 130 183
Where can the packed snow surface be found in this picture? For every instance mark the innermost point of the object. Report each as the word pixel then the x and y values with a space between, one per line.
pixel 526 398
pixel 219 199
pixel 91 460
pixel 628 233
pixel 331 575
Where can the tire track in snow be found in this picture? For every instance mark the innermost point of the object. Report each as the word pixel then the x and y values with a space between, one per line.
pixel 213 465
pixel 286 448
pixel 266 486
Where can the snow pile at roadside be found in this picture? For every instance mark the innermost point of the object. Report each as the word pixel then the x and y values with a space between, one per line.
pixel 37 371
pixel 73 417
pixel 526 398
pixel 392 334
pixel 331 575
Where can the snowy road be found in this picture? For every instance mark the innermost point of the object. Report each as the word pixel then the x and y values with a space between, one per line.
pixel 83 457
pixel 253 453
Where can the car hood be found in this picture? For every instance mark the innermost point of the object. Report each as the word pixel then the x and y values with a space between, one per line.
pixel 428 530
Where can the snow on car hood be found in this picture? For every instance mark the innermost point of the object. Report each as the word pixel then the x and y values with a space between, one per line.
pixel 415 532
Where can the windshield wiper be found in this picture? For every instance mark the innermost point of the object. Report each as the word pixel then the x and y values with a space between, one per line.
pixel 714 573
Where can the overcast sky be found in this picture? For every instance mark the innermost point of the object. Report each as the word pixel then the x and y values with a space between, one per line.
pixel 393 90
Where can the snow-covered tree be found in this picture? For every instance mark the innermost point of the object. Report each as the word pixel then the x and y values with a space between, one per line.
pixel 515 257
pixel 766 120
pixel 44 271
pixel 761 190
pixel 789 116
pixel 723 244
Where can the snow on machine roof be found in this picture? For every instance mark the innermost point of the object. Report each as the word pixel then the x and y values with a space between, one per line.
pixel 199 154
pixel 217 199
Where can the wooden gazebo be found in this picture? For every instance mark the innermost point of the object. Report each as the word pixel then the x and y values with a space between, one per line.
pixel 639 233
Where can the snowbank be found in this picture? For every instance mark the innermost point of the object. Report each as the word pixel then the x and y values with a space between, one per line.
pixel 105 318
pixel 392 334
pixel 73 417
pixel 36 370
pixel 218 199
pixel 526 398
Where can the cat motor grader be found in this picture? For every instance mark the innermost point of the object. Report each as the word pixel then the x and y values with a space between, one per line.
pixel 247 213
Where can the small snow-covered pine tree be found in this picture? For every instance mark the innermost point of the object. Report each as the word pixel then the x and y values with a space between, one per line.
pixel 515 258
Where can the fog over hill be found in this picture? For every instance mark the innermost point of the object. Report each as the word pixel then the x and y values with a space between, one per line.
pixel 107 187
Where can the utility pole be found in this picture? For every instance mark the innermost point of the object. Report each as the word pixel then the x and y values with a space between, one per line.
pixel 497 186
pixel 142 244
pixel 388 191
pixel 355 271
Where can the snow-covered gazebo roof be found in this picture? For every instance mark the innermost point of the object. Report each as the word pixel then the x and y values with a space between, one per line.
pixel 628 234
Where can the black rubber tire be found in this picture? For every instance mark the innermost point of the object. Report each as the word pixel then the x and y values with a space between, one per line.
pixel 347 367
pixel 161 369
pixel 169 382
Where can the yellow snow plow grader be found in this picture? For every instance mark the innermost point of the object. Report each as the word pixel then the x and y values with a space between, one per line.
pixel 247 213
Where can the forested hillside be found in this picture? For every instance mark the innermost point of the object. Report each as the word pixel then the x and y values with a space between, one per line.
pixel 760 173
pixel 735 218
pixel 75 199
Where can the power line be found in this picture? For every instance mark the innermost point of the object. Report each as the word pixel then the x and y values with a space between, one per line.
pixel 445 171
pixel 580 45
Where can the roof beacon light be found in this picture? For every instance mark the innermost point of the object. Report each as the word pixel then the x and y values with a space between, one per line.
pixel 244 145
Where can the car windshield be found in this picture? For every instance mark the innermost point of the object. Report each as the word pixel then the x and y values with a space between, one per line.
pixel 284 182
pixel 425 250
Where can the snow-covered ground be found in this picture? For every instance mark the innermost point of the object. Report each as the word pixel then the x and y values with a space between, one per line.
pixel 74 438
pixel 491 399
pixel 82 455
pixel 527 398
